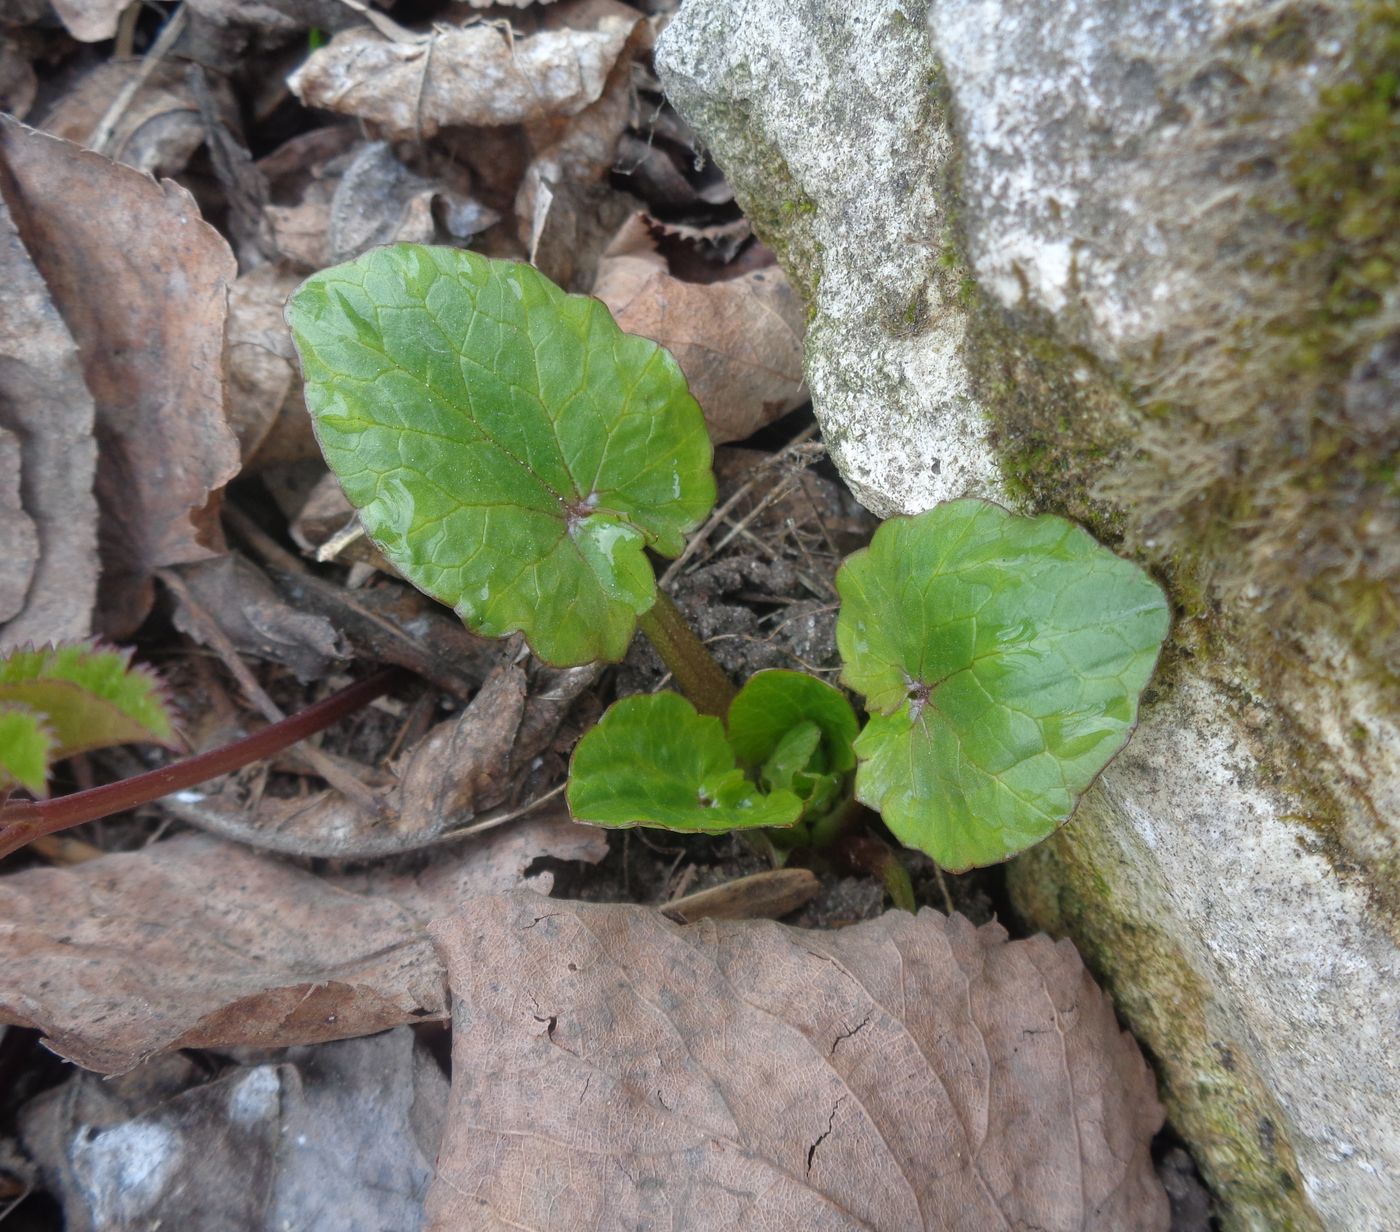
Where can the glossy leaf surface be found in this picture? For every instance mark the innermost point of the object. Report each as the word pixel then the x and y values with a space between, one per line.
pixel 1001 658
pixel 509 448
pixel 653 760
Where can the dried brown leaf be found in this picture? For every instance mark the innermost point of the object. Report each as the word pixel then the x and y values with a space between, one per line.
pixel 739 342
pixel 90 21
pixel 565 211
pixel 264 384
pixel 45 408
pixel 473 74
pixel 464 764
pixel 379 200
pixel 158 129
pixel 257 619
pixel 571 225
pixel 196 943
pixel 907 1073
pixel 328 528
pixel 768 895
pixel 386 623
pixel 141 281
pixel 336 1136
pixel 18 84
pixel 276 17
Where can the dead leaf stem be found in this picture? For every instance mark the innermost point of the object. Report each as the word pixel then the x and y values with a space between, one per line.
pixel 22 822
pixel 327 767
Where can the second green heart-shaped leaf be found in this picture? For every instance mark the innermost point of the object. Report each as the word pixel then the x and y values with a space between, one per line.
pixel 509 448
pixel 1001 658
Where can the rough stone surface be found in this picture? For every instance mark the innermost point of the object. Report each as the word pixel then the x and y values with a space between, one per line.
pixel 1070 255
pixel 866 219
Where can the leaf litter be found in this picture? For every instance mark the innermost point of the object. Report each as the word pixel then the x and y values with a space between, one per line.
pixel 151 344
pixel 267 984
pixel 904 1073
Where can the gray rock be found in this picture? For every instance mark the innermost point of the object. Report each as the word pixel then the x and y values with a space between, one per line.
pixel 825 121
pixel 1104 257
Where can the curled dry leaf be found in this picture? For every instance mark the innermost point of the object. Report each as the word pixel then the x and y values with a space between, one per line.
pixel 386 623
pixel 277 17
pixel 141 282
pixel 336 1137
pixel 471 74
pixel 328 528
pixel 90 21
pixel 739 342
pixel 301 177
pixel 259 622
pixel 465 764
pixel 379 200
pixel 462 766
pixel 157 130
pixel 905 1073
pixel 565 210
pixel 336 198
pixel 194 943
pixel 48 587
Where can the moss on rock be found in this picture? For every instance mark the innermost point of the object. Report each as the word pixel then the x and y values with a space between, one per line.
pixel 1244 465
pixel 1216 1099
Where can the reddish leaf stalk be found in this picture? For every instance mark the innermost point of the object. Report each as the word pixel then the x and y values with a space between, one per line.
pixel 701 679
pixel 868 854
pixel 23 821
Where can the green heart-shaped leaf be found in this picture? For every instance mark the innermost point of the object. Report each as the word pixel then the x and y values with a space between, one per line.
pixel 509 448
pixel 1001 658
pixel 90 696
pixel 654 760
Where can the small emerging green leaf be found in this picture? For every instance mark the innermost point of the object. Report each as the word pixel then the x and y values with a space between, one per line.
pixel 510 449
pixel 653 760
pixel 773 702
pixel 798 731
pixel 90 696
pixel 26 749
pixel 794 756
pixel 1001 658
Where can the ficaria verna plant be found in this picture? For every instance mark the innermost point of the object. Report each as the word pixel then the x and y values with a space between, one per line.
pixel 517 456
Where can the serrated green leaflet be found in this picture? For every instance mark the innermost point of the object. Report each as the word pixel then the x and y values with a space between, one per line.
pixel 1002 659
pixel 653 760
pixel 510 449
pixel 90 697
pixel 26 749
